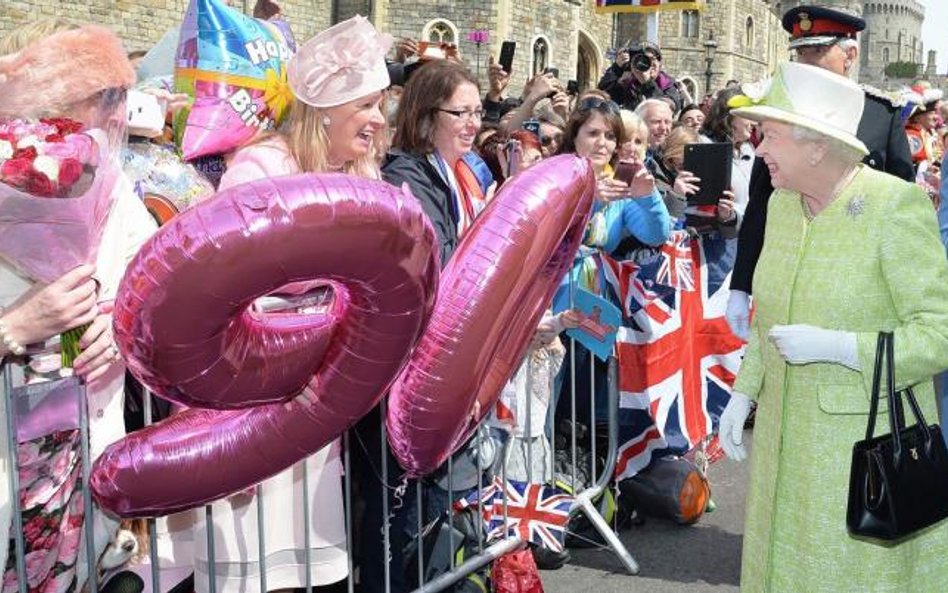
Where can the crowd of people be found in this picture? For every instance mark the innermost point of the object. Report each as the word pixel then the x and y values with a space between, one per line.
pixel 829 219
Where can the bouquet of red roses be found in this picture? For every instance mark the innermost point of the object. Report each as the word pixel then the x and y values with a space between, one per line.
pixel 56 191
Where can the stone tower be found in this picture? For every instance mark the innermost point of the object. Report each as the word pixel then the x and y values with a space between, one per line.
pixel 893 34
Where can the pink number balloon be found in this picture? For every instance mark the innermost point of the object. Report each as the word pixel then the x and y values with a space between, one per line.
pixel 183 322
pixel 492 295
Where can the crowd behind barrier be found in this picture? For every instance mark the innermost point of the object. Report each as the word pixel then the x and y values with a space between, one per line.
pixel 405 428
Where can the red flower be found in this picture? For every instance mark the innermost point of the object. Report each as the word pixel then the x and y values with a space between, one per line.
pixel 16 170
pixel 57 137
pixel 25 153
pixel 38 184
pixel 64 125
pixel 70 170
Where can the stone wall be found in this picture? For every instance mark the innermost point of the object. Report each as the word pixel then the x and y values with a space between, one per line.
pixel 141 23
pixel 893 34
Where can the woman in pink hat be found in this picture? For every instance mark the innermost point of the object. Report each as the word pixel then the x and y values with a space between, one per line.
pixel 337 79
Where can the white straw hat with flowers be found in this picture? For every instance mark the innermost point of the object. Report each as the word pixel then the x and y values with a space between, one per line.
pixel 809 97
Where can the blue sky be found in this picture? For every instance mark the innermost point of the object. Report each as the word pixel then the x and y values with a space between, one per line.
pixel 933 31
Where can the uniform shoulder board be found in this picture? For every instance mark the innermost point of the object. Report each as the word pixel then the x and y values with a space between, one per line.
pixel 880 95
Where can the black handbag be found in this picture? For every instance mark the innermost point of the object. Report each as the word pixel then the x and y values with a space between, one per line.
pixel 898 483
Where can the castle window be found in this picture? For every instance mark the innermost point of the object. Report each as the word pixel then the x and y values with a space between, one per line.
pixel 440 31
pixel 690 24
pixel 749 33
pixel 540 55
pixel 885 55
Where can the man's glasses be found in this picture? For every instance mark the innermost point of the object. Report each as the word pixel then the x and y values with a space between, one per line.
pixel 465 114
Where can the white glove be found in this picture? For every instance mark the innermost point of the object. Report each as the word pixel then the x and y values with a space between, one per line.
pixel 731 427
pixel 738 313
pixel 803 344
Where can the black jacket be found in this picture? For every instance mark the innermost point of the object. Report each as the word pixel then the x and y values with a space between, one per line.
pixel 881 131
pixel 431 191
pixel 631 94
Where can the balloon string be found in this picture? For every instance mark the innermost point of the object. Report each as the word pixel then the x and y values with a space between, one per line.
pixel 375 470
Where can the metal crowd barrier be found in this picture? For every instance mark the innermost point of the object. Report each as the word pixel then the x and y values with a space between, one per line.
pixel 486 553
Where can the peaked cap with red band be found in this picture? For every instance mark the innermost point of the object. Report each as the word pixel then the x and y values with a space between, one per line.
pixel 816 25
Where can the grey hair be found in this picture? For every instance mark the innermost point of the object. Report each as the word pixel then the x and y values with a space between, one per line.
pixel 846 44
pixel 835 149
pixel 644 106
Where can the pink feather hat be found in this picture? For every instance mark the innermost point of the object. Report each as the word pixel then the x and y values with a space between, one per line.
pixel 61 69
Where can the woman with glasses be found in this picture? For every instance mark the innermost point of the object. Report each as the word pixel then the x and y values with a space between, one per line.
pixel 438 121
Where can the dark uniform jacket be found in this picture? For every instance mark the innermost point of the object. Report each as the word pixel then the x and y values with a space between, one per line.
pixel 881 131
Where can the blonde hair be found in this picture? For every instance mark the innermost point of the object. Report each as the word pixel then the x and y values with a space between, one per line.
pixel 674 145
pixel 308 141
pixel 23 36
pixel 632 126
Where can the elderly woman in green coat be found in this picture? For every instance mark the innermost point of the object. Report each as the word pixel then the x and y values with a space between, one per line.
pixel 849 252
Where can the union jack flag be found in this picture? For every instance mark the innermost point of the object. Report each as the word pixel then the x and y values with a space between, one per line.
pixel 676 263
pixel 677 356
pixel 538 513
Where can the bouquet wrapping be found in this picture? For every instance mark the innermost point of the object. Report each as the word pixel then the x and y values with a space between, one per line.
pixel 56 192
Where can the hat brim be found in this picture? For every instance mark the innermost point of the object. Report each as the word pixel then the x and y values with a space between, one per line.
pixel 814 40
pixel 760 113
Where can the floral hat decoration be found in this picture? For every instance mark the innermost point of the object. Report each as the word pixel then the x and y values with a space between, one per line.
pixel 340 64
pixel 809 97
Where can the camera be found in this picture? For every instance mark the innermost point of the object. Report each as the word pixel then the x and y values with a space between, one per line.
pixel 641 61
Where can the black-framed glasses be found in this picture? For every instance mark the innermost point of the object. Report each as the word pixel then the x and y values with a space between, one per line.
pixel 465 114
pixel 597 104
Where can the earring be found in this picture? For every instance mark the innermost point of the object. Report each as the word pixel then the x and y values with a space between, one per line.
pixel 326 121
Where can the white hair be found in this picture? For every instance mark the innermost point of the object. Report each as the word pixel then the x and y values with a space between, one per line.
pixel 846 44
pixel 835 149
pixel 647 104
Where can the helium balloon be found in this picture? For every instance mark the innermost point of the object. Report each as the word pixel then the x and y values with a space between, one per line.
pixel 490 300
pixel 234 68
pixel 280 385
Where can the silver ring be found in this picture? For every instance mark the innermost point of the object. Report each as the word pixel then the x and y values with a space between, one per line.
pixel 114 350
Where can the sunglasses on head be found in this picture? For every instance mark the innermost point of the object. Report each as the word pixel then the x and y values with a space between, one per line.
pixel 598 104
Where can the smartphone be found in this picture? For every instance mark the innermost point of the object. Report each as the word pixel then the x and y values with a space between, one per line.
pixel 554 71
pixel 532 126
pixel 626 171
pixel 710 162
pixel 431 51
pixel 507 49
pixel 572 87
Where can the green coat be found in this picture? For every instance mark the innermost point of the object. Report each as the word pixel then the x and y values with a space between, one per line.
pixel 871 261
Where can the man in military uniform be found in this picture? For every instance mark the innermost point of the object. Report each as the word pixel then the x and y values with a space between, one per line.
pixel 825 38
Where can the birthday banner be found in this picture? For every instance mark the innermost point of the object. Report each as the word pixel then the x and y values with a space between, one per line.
pixel 604 6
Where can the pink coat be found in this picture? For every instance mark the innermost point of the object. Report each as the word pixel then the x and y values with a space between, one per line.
pixel 270 158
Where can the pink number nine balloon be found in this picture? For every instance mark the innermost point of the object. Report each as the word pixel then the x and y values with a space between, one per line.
pixel 183 322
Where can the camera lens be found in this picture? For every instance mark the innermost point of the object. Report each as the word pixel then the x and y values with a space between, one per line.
pixel 641 62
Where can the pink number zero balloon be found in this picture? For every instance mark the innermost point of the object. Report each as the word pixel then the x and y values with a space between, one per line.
pixel 490 300
pixel 184 324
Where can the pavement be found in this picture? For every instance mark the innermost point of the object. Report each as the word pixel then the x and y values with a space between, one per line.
pixel 702 558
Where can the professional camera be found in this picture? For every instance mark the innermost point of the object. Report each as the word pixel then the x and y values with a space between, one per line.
pixel 641 56
pixel 640 61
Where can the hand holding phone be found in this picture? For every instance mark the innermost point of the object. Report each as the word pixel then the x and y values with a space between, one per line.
pixel 554 72
pixel 507 49
pixel 637 177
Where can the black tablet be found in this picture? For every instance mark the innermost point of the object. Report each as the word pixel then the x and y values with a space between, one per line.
pixel 711 163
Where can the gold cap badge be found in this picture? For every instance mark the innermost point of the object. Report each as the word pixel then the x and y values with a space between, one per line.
pixel 805 23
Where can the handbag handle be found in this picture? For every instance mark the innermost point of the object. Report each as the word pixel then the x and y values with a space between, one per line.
pixel 885 350
pixel 881 347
